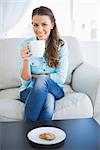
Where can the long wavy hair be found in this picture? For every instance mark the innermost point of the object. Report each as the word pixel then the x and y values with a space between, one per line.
pixel 54 41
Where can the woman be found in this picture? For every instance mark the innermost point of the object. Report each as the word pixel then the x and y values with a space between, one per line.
pixel 43 78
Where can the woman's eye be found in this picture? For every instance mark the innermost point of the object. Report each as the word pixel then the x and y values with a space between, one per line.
pixel 44 24
pixel 35 25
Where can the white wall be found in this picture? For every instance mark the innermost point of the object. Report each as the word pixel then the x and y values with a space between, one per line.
pixel 91 52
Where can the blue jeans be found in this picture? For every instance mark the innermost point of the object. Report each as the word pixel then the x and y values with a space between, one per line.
pixel 40 100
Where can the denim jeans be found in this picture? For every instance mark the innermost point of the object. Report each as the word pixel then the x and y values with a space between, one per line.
pixel 40 100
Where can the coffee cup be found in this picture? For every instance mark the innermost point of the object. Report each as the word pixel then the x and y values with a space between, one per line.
pixel 37 48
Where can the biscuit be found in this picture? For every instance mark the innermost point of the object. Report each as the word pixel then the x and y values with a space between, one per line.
pixel 47 136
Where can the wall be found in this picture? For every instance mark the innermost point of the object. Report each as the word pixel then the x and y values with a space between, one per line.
pixel 91 52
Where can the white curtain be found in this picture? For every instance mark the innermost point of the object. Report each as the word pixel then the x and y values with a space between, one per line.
pixel 11 11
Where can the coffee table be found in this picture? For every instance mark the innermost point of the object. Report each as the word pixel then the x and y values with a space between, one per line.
pixel 82 134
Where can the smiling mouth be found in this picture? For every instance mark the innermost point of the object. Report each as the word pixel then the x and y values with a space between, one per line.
pixel 40 35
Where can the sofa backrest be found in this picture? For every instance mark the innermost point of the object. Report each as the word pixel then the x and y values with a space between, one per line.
pixel 75 56
pixel 9 55
pixel 9 59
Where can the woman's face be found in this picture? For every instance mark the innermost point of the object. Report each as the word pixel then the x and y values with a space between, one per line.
pixel 42 26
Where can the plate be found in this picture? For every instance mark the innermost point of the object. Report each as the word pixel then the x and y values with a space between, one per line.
pixel 33 135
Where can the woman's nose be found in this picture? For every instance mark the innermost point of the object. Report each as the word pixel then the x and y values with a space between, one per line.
pixel 40 29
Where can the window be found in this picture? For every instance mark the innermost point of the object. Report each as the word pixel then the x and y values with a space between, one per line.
pixel 86 22
pixel 61 10
pixel 74 17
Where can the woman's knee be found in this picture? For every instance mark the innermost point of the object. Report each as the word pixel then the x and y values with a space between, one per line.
pixel 50 103
pixel 48 108
pixel 41 81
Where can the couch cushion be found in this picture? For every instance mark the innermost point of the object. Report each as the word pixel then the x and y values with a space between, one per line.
pixel 12 93
pixel 75 56
pixel 67 89
pixel 9 55
pixel 11 110
pixel 73 105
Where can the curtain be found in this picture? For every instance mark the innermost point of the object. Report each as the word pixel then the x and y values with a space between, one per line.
pixel 11 11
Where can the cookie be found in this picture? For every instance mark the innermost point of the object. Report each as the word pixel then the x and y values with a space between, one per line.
pixel 47 136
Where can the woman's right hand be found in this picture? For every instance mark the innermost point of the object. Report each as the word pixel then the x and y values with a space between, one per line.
pixel 25 53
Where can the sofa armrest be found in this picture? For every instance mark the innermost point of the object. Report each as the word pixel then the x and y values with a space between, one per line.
pixel 86 79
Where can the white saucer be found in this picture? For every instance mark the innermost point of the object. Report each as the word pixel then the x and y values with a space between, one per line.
pixel 33 135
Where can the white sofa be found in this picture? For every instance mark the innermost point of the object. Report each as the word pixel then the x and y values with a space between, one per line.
pixel 82 88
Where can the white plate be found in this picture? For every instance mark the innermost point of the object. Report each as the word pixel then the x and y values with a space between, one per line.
pixel 33 135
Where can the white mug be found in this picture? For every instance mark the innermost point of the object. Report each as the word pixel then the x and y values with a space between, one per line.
pixel 37 48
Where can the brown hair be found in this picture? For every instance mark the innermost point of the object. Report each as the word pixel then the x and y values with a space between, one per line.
pixel 54 41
